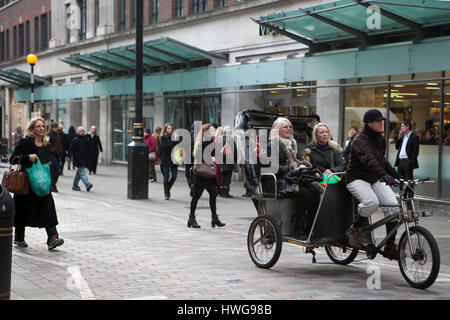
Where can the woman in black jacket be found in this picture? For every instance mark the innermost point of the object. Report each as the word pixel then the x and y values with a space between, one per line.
pixel 80 154
pixel 325 153
pixel 168 168
pixel 204 138
pixel 95 147
pixel 32 210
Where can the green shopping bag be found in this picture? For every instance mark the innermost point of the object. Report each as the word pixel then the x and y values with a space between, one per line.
pixel 40 178
pixel 333 179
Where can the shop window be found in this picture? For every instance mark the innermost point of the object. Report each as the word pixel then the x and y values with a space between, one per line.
pixel 123 109
pixel 445 168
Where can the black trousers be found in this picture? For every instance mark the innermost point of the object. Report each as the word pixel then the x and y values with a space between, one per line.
pixel 405 169
pixel 197 193
pixel 19 233
pixel 225 179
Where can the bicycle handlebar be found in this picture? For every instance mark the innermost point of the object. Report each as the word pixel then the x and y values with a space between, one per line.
pixel 405 182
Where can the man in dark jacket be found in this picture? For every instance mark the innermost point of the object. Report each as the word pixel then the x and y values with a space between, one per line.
pixel 408 150
pixel 367 167
pixel 80 153
pixel 95 147
pixel 56 151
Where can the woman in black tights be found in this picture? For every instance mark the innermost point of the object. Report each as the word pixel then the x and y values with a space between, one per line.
pixel 203 142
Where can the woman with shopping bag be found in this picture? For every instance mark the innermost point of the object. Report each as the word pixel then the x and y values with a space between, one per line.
pixel 33 210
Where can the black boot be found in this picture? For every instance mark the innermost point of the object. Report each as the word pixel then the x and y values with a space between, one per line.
pixel 192 223
pixel 216 222
pixel 166 191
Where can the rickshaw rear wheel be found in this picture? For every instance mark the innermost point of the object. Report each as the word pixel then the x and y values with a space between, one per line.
pixel 264 241
pixel 341 255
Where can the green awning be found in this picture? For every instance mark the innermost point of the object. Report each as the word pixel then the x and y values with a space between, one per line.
pixel 162 54
pixel 21 78
pixel 337 24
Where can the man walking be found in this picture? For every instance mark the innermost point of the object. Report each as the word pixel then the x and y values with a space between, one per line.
pixel 408 150
pixel 80 153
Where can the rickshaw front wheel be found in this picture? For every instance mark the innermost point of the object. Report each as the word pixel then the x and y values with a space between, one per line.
pixel 264 241
pixel 341 255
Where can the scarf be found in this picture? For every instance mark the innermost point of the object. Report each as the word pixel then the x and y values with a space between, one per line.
pixel 289 148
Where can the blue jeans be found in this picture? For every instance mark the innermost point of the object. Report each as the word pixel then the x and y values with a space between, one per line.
pixel 80 174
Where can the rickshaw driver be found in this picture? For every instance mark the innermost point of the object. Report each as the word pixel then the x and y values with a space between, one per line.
pixel 367 166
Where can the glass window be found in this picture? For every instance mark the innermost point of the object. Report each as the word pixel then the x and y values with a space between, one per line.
pixel 419 102
pixel 83 21
pixel 44 32
pixel 123 109
pixel 2 46
pixel 21 40
pixel 221 3
pixel 445 168
pixel 36 34
pixel 199 6
pixel 178 8
pixel 155 10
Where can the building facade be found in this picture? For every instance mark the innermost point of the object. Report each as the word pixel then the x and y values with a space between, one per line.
pixel 245 65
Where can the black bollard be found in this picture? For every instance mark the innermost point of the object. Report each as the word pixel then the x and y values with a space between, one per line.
pixel 6 231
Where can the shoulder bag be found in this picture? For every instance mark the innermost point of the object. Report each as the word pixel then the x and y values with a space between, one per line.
pixel 16 181
pixel 205 170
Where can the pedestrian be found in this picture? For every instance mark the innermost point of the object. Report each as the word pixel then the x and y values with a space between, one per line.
pixel 168 168
pixel 352 132
pixel 150 141
pixel 408 150
pixel 204 138
pixel 66 147
pixel 325 153
pixel 367 171
pixel 72 134
pixel 446 135
pixel 32 210
pixel 228 149
pixel 189 160
pixel 80 156
pixel 56 150
pixel 95 147
pixel 17 135
pixel 157 135
pixel 217 139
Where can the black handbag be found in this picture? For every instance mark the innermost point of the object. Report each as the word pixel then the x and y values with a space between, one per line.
pixel 205 170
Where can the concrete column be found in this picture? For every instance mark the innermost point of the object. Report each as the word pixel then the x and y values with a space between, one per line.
pixel 106 23
pixel 330 108
pixel 90 19
pixel 232 103
pixel 159 117
pixel 106 131
pixel 54 111
pixel 58 21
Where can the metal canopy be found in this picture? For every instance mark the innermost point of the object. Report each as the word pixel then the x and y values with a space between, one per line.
pixel 358 23
pixel 164 53
pixel 21 78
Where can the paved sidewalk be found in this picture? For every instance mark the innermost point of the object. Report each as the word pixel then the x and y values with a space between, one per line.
pixel 117 248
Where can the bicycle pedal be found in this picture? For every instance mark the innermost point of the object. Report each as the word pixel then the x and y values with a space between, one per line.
pixel 371 251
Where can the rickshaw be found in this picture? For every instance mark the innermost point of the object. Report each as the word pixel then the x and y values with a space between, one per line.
pixel 418 252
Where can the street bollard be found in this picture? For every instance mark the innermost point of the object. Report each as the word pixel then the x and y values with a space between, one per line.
pixel 6 231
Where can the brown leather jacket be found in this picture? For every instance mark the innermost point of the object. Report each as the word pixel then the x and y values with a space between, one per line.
pixel 367 158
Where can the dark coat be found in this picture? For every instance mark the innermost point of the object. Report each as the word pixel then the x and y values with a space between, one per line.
pixel 367 158
pixel 95 147
pixel 165 149
pixel 80 151
pixel 65 142
pixel 222 142
pixel 326 158
pixel 201 180
pixel 32 210
pixel 56 145
pixel 412 150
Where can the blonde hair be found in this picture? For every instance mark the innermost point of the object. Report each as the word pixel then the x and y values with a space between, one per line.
pixel 199 138
pixel 227 131
pixel 30 127
pixel 332 144
pixel 274 132
pixel 219 132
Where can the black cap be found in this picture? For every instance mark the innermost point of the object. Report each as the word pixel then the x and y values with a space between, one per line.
pixel 373 115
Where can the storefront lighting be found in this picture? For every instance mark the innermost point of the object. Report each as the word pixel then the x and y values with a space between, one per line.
pixel 435 101
pixel 281 86
pixel 398 100
pixel 300 90
pixel 398 85
pixel 432 88
pixel 407 94
pixel 432 84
